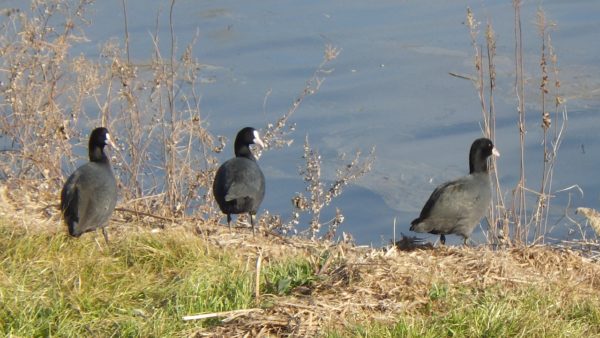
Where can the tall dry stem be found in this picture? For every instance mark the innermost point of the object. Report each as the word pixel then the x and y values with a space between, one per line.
pixel 527 223
pixel 552 137
pixel 497 214
pixel 519 200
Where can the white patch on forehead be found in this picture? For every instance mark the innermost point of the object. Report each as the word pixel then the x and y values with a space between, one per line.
pixel 109 142
pixel 257 139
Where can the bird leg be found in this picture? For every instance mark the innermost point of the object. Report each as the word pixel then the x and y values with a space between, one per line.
pixel 229 221
pixel 252 223
pixel 443 239
pixel 105 235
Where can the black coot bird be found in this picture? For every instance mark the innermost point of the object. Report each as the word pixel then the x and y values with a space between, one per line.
pixel 239 184
pixel 456 207
pixel 88 198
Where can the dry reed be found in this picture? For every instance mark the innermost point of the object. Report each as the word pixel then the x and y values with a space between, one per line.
pixel 518 221
pixel 165 159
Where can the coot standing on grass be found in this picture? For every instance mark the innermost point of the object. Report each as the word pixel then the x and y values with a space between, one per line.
pixel 89 196
pixel 239 184
pixel 456 207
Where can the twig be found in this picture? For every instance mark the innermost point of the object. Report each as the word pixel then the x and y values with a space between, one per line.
pixel 126 28
pixel 220 314
pixel 508 279
pixel 257 276
pixel 574 186
pixel 460 76
pixel 394 234
pixel 325 265
pixel 144 214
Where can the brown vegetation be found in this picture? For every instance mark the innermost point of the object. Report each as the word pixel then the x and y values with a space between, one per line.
pixel 47 98
pixel 165 158
pixel 358 284
pixel 363 285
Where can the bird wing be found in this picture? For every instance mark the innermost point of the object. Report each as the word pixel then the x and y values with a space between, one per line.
pixel 81 211
pixel 451 199
pixel 69 199
pixel 96 201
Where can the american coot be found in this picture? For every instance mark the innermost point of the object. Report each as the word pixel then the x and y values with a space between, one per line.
pixel 456 207
pixel 88 198
pixel 239 184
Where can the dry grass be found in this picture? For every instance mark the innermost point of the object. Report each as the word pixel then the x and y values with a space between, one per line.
pixel 165 157
pixel 368 285
pixel 305 288
pixel 322 288
pixel 592 216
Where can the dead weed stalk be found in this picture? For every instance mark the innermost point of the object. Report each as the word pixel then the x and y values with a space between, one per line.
pixel 321 195
pixel 165 156
pixel 528 223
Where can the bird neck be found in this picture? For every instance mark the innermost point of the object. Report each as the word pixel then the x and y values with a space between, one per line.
pixel 97 155
pixel 477 165
pixel 244 151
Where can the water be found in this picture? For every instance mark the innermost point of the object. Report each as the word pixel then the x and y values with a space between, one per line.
pixel 389 88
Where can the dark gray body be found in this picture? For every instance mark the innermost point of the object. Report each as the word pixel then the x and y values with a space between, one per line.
pixel 239 186
pixel 456 207
pixel 88 198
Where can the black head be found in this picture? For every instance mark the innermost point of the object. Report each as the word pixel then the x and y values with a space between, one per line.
pixel 481 149
pixel 244 138
pixel 98 139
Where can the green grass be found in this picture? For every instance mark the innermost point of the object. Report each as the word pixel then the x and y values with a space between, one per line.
pixel 142 285
pixel 493 312
pixel 282 278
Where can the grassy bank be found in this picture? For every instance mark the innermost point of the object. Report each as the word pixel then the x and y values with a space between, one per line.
pixel 145 282
pixel 493 312
pixel 139 285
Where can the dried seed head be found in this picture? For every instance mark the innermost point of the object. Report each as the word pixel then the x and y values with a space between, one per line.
pixel 470 19
pixel 592 216
pixel 331 52
pixel 300 202
pixel 546 120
